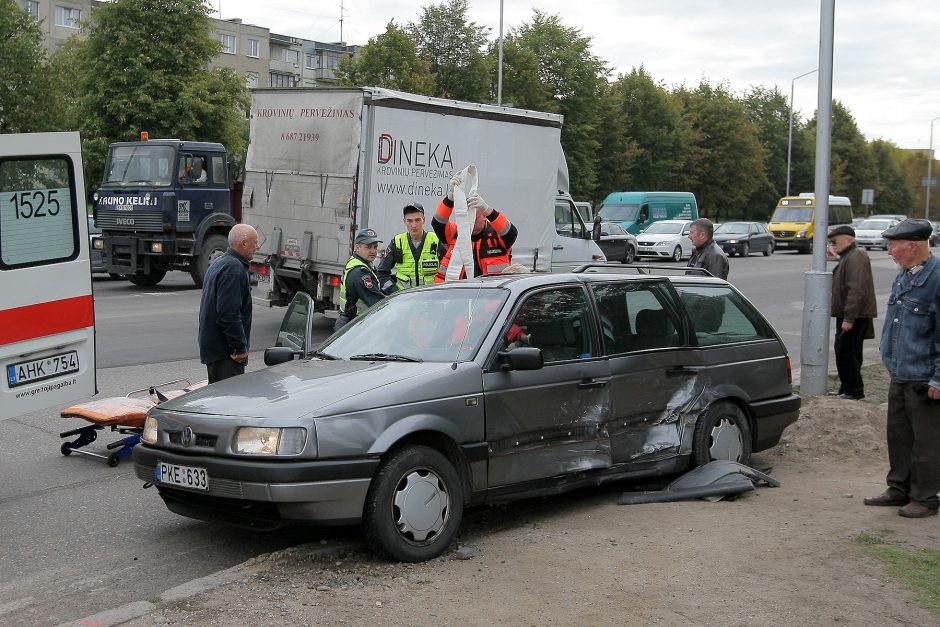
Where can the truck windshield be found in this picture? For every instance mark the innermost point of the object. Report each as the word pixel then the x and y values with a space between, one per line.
pixel 619 213
pixel 139 165
pixel 793 214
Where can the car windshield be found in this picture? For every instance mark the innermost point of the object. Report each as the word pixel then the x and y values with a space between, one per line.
pixel 139 165
pixel 792 214
pixel 439 324
pixel 667 228
pixel 619 212
pixel 732 228
pixel 874 225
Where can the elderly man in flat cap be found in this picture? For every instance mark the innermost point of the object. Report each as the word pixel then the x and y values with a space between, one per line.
pixel 910 350
pixel 854 307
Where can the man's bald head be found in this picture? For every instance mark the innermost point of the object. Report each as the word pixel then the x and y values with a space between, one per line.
pixel 243 238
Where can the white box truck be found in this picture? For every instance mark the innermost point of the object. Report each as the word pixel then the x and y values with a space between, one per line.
pixel 325 162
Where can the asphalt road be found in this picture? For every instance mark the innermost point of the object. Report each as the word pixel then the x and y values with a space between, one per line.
pixel 79 537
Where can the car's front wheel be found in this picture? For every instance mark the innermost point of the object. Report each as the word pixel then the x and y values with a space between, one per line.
pixel 770 250
pixel 414 506
pixel 745 249
pixel 722 432
pixel 677 254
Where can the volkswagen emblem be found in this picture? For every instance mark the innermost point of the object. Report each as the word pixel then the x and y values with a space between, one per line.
pixel 188 436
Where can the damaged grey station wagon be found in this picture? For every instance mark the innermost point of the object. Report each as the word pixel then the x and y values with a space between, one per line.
pixel 472 392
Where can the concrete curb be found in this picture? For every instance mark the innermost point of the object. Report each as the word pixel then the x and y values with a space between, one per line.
pixel 137 609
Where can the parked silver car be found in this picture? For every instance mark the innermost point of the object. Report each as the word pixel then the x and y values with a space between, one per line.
pixel 483 390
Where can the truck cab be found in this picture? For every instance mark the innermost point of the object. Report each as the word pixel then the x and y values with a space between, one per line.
pixel 164 204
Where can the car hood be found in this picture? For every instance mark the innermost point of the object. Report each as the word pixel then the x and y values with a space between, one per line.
pixel 724 237
pixel 658 237
pixel 303 388
pixel 869 232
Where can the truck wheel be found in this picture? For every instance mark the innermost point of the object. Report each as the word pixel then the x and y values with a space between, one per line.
pixel 414 505
pixel 213 247
pixel 147 280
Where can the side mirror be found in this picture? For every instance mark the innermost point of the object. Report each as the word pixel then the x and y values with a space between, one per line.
pixel 596 230
pixel 279 355
pixel 522 358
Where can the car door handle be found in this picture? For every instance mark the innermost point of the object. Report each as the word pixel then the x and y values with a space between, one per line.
pixel 677 370
pixel 558 247
pixel 592 383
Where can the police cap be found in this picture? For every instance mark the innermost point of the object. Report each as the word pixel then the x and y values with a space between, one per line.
pixel 367 236
pixel 412 207
pixel 910 229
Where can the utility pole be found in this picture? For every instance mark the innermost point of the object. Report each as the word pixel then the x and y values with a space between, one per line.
pixel 814 351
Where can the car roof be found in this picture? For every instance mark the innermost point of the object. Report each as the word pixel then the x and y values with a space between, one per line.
pixel 591 274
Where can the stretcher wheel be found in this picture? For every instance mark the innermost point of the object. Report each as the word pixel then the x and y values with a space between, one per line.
pixel 66 448
pixel 113 460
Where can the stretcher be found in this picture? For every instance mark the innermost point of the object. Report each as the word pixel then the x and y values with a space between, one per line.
pixel 120 414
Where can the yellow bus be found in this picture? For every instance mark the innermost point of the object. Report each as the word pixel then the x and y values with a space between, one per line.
pixel 793 220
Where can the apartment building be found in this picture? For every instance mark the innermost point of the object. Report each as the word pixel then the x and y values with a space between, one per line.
pixel 263 58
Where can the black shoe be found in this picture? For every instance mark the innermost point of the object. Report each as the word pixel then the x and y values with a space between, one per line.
pixel 851 397
pixel 886 499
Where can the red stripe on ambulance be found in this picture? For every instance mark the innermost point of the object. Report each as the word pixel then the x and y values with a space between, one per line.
pixel 44 319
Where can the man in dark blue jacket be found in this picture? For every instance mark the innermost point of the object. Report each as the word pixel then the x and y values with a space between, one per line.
pixel 225 309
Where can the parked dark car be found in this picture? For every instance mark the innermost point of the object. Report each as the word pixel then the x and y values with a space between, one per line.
pixel 483 390
pixel 744 238
pixel 617 243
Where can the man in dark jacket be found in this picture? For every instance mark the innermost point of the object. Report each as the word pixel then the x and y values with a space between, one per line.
pixel 707 253
pixel 225 308
pixel 854 307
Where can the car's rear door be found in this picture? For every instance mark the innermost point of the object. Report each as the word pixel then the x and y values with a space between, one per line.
pixel 655 377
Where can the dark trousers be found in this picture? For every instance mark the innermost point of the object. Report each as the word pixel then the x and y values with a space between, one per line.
pixel 848 349
pixel 913 443
pixel 224 368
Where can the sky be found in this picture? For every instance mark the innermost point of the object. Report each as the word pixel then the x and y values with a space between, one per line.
pixel 886 58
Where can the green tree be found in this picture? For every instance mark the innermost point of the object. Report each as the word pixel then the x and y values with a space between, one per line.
pixel 454 51
pixel 768 110
pixel 145 68
pixel 389 60
pixel 653 128
pixel 851 164
pixel 892 193
pixel 726 160
pixel 65 65
pixel 572 82
pixel 25 93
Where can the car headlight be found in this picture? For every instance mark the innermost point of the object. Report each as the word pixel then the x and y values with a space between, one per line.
pixel 662 243
pixel 732 241
pixel 98 244
pixel 801 233
pixel 269 440
pixel 149 434
pixel 156 247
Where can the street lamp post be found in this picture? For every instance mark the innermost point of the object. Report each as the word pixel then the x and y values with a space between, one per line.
pixel 929 164
pixel 790 138
pixel 499 80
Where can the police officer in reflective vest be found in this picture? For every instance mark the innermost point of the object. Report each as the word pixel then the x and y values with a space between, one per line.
pixel 413 255
pixel 360 287
pixel 492 237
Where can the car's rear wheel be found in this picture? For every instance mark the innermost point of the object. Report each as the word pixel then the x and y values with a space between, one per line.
pixel 414 506
pixel 770 250
pixel 722 432
pixel 629 256
pixel 677 254
pixel 745 249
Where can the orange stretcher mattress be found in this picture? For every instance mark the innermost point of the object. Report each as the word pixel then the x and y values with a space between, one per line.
pixel 116 411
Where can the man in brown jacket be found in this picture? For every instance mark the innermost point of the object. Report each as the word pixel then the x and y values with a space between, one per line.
pixel 853 306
